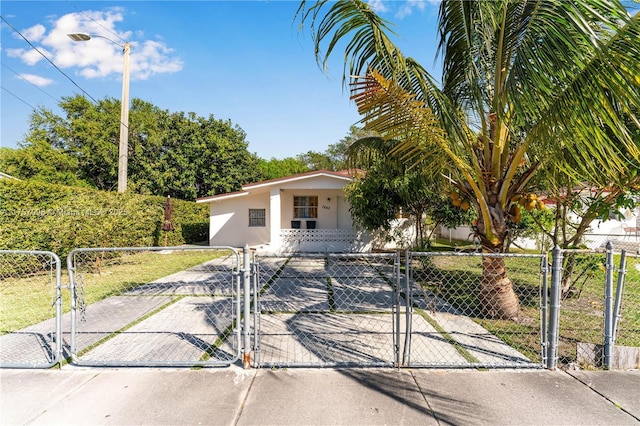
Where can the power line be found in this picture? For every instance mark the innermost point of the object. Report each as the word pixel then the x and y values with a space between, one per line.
pixel 19 98
pixel 48 60
pixel 105 28
pixel 37 87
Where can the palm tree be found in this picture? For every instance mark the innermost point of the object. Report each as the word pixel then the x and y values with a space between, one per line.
pixel 524 84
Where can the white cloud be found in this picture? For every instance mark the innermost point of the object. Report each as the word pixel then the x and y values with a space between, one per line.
pixel 34 33
pixel 28 56
pixel 36 80
pixel 154 60
pixel 411 5
pixel 102 55
pixel 377 6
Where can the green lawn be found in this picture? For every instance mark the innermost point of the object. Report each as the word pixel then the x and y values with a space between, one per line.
pixel 455 279
pixel 29 300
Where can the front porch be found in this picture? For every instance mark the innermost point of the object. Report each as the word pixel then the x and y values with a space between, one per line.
pixel 322 240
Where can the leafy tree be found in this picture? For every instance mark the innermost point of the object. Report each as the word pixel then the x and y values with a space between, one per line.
pixel 182 155
pixel 39 161
pixel 202 156
pixel 525 84
pixel 577 206
pixel 317 161
pixel 581 201
pixel 441 212
pixel 535 225
pixel 335 157
pixel 389 189
pixel 275 168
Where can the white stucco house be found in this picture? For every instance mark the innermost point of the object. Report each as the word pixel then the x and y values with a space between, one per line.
pixel 305 212
pixel 622 233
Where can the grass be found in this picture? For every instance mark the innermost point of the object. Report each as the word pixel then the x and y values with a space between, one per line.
pixel 455 280
pixel 26 301
pixel 582 315
pixel 29 300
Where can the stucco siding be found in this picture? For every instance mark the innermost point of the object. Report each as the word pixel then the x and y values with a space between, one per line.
pixel 328 208
pixel 229 222
pixel 229 213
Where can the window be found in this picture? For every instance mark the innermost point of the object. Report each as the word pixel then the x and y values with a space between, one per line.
pixel 257 217
pixel 305 207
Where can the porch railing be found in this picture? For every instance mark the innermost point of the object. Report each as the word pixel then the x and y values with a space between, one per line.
pixel 322 240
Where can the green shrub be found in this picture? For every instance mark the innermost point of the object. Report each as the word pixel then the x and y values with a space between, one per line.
pixel 40 216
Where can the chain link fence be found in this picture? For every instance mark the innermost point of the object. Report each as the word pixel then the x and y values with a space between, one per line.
pixel 326 310
pixel 181 306
pixel 374 310
pixel 456 301
pixel 628 241
pixel 30 309
pixel 154 306
pixel 600 309
pixel 626 330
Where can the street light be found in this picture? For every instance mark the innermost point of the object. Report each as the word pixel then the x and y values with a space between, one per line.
pixel 123 149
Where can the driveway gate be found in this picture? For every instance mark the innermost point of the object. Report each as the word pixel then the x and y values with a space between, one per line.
pixel 326 310
pixel 180 306
pixel 446 321
pixel 358 309
pixel 155 306
pixel 30 309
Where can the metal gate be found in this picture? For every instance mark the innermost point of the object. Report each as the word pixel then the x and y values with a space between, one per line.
pixel 30 309
pixel 175 306
pixel 359 310
pixel 326 310
pixel 445 323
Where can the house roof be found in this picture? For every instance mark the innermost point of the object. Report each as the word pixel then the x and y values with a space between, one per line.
pixel 346 175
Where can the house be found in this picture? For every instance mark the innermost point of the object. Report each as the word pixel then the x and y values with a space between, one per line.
pixel 622 233
pixel 306 212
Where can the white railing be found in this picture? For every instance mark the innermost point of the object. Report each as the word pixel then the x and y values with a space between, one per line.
pixel 336 240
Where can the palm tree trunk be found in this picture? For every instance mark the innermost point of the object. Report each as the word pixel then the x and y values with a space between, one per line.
pixel 497 297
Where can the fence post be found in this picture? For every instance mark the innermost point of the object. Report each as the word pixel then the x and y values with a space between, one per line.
pixel 544 305
pixel 608 307
pixel 395 309
pixel 408 300
pixel 58 309
pixel 256 311
pixel 246 280
pixel 554 308
pixel 71 269
pixel 619 290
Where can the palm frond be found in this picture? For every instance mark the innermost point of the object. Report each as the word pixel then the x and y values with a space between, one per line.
pixel 584 123
pixel 370 46
pixel 397 115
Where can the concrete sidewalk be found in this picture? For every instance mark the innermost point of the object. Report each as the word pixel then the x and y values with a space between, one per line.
pixel 232 396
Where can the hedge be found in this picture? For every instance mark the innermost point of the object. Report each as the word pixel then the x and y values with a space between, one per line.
pixel 40 216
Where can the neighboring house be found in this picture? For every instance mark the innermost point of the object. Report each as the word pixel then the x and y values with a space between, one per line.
pixel 304 212
pixel 623 234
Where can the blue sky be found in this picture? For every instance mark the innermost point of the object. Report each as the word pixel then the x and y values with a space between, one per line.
pixel 239 60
